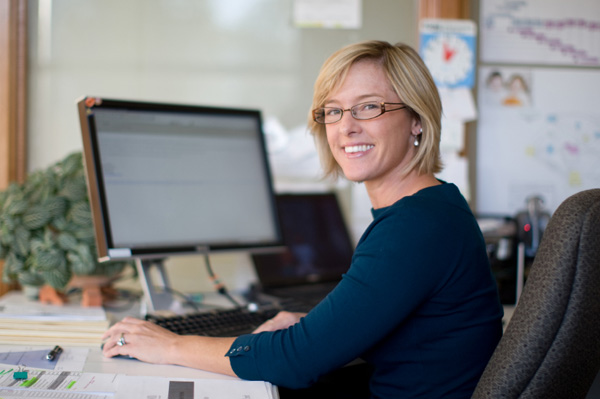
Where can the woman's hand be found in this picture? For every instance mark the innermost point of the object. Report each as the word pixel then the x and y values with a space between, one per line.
pixel 281 321
pixel 151 343
pixel 141 339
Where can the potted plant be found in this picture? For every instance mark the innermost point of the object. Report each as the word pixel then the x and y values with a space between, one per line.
pixel 47 236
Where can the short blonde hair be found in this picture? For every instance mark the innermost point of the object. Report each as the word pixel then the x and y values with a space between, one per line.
pixel 410 79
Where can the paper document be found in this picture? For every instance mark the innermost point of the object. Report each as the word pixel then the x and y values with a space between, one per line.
pixel 42 380
pixel 74 385
pixel 27 322
pixel 181 388
pixel 21 394
pixel 15 306
pixel 72 359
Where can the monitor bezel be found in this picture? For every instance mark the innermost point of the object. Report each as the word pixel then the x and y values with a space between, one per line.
pixel 97 192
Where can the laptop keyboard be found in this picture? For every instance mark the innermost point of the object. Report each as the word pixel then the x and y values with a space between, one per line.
pixel 307 295
pixel 216 323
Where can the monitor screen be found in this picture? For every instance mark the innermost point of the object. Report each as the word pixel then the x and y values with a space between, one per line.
pixel 173 179
pixel 167 179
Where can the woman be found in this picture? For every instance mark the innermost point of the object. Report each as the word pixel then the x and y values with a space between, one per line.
pixel 418 302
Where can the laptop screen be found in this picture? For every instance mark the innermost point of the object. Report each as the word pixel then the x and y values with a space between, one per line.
pixel 317 243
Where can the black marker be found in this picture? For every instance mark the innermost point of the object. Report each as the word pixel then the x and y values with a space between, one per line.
pixel 53 353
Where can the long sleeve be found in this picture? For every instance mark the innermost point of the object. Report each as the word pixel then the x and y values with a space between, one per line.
pixel 418 287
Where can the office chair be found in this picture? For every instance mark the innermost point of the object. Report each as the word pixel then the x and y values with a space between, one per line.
pixel 551 347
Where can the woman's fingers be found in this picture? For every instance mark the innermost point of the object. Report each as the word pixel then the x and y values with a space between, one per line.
pixel 141 339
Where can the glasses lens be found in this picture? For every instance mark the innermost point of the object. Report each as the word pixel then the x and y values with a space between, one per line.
pixel 367 110
pixel 319 115
pixel 327 115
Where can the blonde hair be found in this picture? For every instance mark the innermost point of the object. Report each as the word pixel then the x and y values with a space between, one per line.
pixel 410 79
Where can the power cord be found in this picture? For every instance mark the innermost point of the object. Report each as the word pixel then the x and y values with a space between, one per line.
pixel 219 286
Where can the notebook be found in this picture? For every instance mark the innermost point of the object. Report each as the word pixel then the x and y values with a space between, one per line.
pixel 318 249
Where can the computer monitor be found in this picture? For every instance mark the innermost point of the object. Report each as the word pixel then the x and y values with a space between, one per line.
pixel 172 179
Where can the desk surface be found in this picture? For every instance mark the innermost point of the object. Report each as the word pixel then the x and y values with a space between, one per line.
pixel 118 378
pixel 95 363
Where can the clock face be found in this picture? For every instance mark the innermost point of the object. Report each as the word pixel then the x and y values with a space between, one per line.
pixel 450 59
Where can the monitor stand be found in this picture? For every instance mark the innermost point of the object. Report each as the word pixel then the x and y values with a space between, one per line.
pixel 158 295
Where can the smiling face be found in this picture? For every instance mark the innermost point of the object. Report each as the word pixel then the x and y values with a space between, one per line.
pixel 373 151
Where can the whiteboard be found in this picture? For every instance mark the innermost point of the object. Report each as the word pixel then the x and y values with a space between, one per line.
pixel 544 140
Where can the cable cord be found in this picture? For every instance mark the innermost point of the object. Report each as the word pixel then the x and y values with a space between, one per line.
pixel 219 286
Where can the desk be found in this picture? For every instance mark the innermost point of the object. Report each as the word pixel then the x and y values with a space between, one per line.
pixel 125 372
pixel 132 379
pixel 97 363
pixel 508 312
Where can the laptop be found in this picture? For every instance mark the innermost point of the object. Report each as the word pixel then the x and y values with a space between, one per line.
pixel 318 250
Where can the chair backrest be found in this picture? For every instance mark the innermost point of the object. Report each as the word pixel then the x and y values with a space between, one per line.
pixel 551 347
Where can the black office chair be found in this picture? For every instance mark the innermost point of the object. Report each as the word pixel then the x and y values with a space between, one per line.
pixel 551 347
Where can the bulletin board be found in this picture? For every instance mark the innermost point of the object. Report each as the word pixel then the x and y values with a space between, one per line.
pixel 538 131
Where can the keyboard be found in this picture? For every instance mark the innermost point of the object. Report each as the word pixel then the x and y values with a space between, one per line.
pixel 215 323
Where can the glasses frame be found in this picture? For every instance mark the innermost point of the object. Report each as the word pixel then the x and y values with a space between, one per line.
pixel 351 109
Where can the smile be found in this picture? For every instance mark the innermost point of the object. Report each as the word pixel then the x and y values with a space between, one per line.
pixel 357 148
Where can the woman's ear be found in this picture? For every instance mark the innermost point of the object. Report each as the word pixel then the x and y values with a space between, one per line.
pixel 416 127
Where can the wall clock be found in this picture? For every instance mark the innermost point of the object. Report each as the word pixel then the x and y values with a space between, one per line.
pixel 448 49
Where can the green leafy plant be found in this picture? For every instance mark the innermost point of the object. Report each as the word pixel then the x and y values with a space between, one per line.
pixel 46 230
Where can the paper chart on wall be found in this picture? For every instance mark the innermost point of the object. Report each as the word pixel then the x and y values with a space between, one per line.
pixel 346 14
pixel 550 32
pixel 538 134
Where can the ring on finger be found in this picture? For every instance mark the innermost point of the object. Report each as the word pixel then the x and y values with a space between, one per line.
pixel 121 341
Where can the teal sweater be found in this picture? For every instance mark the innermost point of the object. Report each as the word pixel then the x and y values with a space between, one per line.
pixel 418 302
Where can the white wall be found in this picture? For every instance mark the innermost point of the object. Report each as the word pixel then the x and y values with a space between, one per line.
pixel 240 53
pixel 244 53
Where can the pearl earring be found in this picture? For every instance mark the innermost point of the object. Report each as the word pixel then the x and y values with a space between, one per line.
pixel 417 137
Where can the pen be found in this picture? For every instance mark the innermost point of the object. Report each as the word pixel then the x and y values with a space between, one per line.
pixel 53 353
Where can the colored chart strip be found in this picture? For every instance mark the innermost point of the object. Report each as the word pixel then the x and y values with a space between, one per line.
pixel 541 32
pixel 30 382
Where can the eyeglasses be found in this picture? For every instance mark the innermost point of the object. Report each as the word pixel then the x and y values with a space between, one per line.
pixel 362 111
